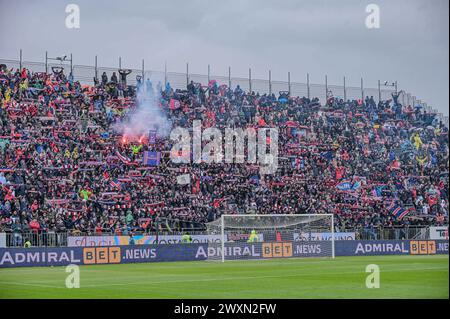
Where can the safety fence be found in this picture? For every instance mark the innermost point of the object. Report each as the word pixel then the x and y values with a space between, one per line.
pixel 95 238
pixel 178 80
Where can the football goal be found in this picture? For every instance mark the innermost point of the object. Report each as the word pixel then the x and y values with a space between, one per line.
pixel 245 236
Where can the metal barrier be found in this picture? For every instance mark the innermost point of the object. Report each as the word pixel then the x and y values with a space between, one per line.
pixel 43 239
pixel 57 239
pixel 393 233
pixel 179 80
pixel 86 74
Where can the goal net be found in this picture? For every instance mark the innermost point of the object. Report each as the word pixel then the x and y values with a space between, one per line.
pixel 272 236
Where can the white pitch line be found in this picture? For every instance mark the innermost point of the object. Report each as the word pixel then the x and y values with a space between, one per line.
pixel 214 279
pixel 31 284
pixel 207 279
pixel 248 277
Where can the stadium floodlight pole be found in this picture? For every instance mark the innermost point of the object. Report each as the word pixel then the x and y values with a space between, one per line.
pixel 326 88
pixel 289 83
pixel 396 90
pixel 71 64
pixel 20 59
pixel 345 91
pixel 187 73
pixel 46 62
pixel 143 69
pixel 222 226
pixel 250 80
pixel 209 70
pixel 165 73
pixel 270 82
pixel 120 63
pixel 229 77
pixel 96 68
pixel 379 90
pixel 307 83
pixel 362 90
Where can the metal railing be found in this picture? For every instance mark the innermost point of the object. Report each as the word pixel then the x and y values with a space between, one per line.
pixel 60 239
pixel 48 239
pixel 393 233
pixel 86 74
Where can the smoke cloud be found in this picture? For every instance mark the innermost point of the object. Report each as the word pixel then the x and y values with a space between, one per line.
pixel 148 115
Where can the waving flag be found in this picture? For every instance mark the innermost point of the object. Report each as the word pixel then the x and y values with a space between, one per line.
pixel 174 104
pixel 356 185
pixel 115 183
pixel 344 186
pixel 398 211
pixel 123 158
pixel 217 202
pixel 151 158
pixel 327 155
pixel 378 191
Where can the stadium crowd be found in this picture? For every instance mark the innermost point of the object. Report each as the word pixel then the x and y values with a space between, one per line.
pixel 64 166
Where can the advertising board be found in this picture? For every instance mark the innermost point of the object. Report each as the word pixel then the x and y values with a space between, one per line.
pixel 62 256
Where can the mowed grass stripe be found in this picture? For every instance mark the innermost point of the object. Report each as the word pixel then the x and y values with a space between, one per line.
pixel 167 280
pixel 401 277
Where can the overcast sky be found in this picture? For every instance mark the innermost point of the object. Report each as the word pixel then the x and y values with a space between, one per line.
pixel 319 37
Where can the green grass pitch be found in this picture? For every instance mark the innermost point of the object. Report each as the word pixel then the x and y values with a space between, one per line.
pixel 343 277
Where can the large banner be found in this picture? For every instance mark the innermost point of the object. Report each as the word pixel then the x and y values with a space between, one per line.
pixel 87 241
pixel 391 247
pixel 440 232
pixel 200 239
pixel 62 256
pixel 243 250
pixel 35 257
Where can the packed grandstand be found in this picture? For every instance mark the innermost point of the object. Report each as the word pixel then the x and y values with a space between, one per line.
pixel 65 165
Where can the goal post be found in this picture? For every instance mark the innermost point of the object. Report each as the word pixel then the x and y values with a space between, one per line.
pixel 258 236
